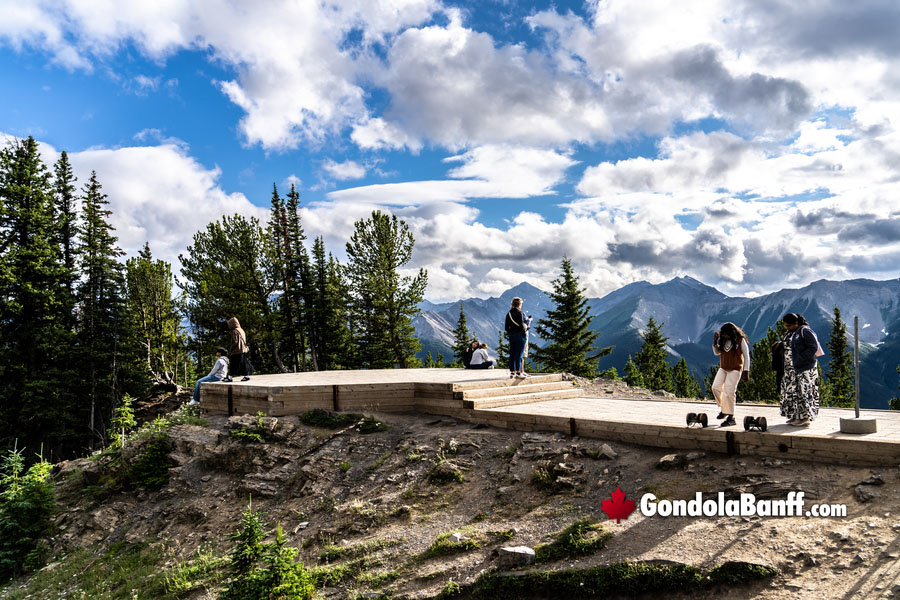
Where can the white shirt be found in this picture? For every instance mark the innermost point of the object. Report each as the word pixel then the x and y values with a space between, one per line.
pixel 480 356
pixel 220 369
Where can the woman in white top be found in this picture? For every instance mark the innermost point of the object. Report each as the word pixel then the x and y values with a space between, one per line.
pixel 218 373
pixel 730 345
pixel 480 359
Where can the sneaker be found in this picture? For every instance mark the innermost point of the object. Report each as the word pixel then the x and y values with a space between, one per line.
pixel 228 379
pixel 193 403
pixel 245 378
pixel 728 422
pixel 721 416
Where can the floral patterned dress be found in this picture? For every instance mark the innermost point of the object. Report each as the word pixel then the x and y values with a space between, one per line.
pixel 799 391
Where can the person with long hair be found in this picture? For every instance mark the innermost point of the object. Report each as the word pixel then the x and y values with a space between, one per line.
pixel 730 345
pixel 800 382
pixel 517 329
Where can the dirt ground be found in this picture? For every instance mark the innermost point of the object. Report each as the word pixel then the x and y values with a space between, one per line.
pixel 351 488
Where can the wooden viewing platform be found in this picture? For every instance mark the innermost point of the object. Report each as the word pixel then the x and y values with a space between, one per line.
pixel 550 403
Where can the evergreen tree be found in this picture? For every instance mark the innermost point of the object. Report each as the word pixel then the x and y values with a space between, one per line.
pixel 709 379
pixel 36 400
pixel 894 402
pixel 154 324
pixel 101 295
pixel 328 313
pixel 502 349
pixel 229 272
pixel 762 386
pixel 566 329
pixel 383 303
pixel 840 366
pixel 66 213
pixel 684 384
pixel 302 289
pixel 633 375
pixel 651 359
pixel 461 337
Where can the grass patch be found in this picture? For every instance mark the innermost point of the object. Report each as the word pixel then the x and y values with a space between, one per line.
pixel 345 466
pixel 380 461
pixel 627 579
pixel 444 546
pixel 331 553
pixel 123 572
pixel 332 420
pixel 204 570
pixel 578 539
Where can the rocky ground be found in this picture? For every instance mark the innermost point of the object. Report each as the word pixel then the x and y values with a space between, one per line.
pixel 375 503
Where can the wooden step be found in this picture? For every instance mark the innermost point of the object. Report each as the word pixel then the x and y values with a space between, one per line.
pixel 510 390
pixel 523 398
pixel 506 381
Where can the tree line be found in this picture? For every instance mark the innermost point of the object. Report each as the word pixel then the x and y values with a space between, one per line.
pixel 81 331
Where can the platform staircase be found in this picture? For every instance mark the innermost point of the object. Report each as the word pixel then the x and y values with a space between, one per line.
pixel 507 392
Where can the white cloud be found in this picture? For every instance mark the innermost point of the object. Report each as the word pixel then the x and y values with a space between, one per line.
pixel 344 170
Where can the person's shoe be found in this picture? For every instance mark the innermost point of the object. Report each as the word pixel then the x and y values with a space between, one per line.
pixel 721 415
pixel 801 423
pixel 245 378
pixel 729 421
pixel 193 403
pixel 792 421
pixel 228 379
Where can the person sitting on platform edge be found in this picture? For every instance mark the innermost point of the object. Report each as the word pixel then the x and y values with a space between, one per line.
pixel 218 373
pixel 730 345
pixel 467 355
pixel 480 359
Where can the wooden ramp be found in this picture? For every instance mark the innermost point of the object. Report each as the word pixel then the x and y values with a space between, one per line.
pixel 551 403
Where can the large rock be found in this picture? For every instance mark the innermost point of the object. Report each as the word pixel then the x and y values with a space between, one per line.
pixel 671 461
pixel 515 556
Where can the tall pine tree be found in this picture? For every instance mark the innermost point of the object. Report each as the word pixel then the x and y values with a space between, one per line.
pixel 684 384
pixel 36 404
pixel 461 336
pixel 328 315
pixel 101 312
pixel 383 303
pixel 840 366
pixel 651 358
pixel 566 329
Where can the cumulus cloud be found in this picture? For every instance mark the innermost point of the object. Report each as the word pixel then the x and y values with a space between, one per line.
pixel 344 170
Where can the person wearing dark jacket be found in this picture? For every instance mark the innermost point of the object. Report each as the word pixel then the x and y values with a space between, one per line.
pixel 517 329
pixel 800 382
pixel 237 352
pixel 470 350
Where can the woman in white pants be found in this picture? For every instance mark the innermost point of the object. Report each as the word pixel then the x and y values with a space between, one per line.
pixel 730 345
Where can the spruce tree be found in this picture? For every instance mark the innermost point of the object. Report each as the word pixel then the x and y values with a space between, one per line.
pixel 840 366
pixel 36 395
pixel 101 308
pixel 684 384
pixel 633 375
pixel 894 403
pixel 227 272
pixel 154 323
pixel 328 312
pixel 651 358
pixel 383 303
pixel 461 337
pixel 502 349
pixel 65 202
pixel 566 329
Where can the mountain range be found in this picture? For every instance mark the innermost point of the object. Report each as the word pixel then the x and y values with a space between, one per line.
pixel 691 312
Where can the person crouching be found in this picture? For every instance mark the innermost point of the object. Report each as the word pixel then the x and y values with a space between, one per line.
pixel 730 345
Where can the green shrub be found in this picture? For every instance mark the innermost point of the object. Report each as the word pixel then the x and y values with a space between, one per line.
pixel 578 539
pixel 737 573
pixel 27 503
pixel 150 469
pixel 264 571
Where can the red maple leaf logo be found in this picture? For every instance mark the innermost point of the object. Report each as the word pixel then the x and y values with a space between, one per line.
pixel 618 508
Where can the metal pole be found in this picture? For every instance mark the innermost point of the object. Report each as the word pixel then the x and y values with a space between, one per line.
pixel 856 360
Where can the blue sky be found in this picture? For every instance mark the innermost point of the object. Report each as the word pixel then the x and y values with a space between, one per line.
pixel 644 140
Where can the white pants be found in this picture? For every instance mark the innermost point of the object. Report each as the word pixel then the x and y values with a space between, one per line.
pixel 724 387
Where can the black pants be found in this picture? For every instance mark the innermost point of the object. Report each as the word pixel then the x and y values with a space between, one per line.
pixel 238 365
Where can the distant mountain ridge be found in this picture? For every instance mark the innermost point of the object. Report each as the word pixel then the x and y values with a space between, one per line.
pixel 691 311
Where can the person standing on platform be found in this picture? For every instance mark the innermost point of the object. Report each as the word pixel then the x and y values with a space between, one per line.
pixel 218 373
pixel 517 329
pixel 730 345
pixel 237 353
pixel 800 383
